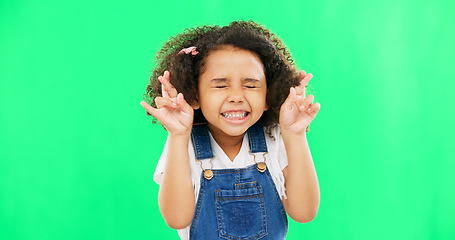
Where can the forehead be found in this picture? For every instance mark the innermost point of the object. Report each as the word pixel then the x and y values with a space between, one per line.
pixel 231 60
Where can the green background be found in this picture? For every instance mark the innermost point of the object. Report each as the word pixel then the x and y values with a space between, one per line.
pixel 77 152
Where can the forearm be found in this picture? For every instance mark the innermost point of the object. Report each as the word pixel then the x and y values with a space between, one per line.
pixel 176 195
pixel 302 187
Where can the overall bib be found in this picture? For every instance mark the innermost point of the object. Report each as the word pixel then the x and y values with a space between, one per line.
pixel 240 203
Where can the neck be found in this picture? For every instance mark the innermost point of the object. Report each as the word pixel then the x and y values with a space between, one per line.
pixel 230 144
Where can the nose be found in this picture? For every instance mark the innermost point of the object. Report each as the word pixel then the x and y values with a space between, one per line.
pixel 236 95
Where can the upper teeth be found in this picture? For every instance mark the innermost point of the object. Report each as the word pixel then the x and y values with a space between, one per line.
pixel 234 115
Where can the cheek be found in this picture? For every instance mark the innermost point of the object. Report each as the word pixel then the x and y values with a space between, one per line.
pixel 210 101
pixel 260 98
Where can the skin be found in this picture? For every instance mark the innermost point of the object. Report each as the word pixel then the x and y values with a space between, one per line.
pixel 234 83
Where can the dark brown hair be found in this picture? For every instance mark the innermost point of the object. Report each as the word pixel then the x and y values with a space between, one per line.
pixel 185 69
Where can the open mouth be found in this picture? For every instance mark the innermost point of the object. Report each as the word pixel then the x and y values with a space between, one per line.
pixel 235 115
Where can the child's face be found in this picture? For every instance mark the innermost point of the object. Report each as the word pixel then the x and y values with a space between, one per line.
pixel 232 91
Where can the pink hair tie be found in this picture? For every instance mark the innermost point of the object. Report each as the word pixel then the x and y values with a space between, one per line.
pixel 189 50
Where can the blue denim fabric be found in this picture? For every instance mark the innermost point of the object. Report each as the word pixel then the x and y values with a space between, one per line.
pixel 240 203
pixel 201 142
pixel 256 138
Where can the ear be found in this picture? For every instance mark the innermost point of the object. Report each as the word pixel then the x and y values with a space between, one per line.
pixel 266 105
pixel 195 104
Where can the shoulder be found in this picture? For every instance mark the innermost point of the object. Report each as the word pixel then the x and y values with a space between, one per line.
pixel 159 170
pixel 275 145
pixel 272 133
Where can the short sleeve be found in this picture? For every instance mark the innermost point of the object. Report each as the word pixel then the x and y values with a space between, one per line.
pixel 278 158
pixel 159 170
pixel 282 156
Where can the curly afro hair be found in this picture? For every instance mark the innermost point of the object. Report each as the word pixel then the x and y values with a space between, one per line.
pixel 185 69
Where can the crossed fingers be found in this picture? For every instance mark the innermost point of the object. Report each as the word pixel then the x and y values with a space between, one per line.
pixel 167 90
pixel 304 79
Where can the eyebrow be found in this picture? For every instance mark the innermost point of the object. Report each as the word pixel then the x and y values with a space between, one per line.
pixel 222 80
pixel 218 80
pixel 251 80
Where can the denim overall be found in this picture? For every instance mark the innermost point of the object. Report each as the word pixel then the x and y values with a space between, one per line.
pixel 240 203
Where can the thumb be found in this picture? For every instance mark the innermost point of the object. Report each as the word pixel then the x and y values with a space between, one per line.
pixel 163 102
pixel 153 111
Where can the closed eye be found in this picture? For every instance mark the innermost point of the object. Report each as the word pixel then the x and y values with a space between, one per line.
pixel 251 83
pixel 221 86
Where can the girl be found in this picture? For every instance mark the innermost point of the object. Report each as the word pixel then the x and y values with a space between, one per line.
pixel 236 159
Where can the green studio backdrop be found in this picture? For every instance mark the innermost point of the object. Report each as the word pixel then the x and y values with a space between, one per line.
pixel 77 152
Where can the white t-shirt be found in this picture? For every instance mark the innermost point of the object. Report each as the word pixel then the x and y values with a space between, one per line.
pixel 276 160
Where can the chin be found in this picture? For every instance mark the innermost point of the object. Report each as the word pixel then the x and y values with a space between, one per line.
pixel 231 131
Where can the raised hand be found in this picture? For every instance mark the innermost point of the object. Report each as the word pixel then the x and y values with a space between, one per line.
pixel 171 110
pixel 298 111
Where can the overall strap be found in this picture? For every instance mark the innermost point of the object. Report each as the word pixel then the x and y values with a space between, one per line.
pixel 203 147
pixel 256 138
pixel 201 142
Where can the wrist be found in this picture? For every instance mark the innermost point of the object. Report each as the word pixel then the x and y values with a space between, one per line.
pixel 293 134
pixel 180 135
